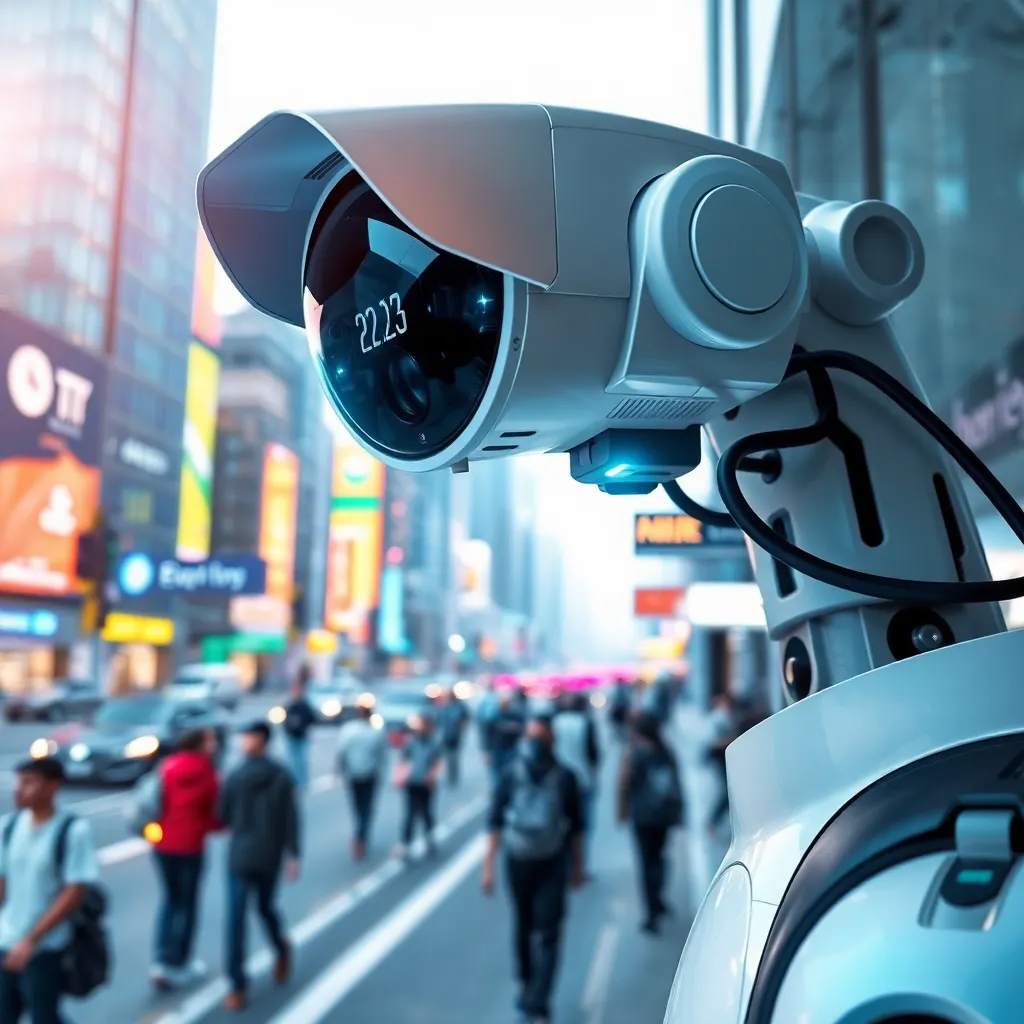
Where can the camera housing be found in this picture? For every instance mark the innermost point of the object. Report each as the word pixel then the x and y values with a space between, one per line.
pixel 558 273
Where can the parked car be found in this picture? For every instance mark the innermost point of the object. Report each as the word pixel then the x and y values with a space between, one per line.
pixel 129 735
pixel 220 683
pixel 67 700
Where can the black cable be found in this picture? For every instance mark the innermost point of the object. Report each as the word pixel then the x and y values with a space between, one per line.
pixel 882 587
pixel 695 510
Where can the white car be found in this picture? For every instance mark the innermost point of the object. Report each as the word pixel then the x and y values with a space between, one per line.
pixel 220 683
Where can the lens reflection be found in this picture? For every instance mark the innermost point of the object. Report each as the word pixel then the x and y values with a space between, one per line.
pixel 406 336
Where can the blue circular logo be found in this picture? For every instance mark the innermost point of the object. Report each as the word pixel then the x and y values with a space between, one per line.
pixel 137 574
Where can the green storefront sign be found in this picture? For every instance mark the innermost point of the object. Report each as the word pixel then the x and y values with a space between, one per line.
pixel 218 649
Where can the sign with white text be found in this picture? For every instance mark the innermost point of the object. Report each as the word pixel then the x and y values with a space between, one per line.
pixel 229 575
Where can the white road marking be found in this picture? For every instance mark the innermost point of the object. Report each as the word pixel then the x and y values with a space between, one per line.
pixel 595 992
pixel 197 1006
pixel 115 853
pixel 376 945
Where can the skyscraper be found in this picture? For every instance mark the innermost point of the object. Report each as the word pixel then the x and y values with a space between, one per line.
pixel 98 159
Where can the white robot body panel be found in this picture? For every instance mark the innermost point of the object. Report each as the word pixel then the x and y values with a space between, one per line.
pixel 791 775
pixel 879 953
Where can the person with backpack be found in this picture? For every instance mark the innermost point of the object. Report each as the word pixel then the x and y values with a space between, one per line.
pixel 417 772
pixel 48 881
pixel 189 790
pixel 258 807
pixel 362 754
pixel 536 818
pixel 650 797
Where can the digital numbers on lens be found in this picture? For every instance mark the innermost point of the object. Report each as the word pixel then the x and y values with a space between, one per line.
pixel 392 321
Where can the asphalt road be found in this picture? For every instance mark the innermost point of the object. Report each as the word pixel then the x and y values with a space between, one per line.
pixel 378 943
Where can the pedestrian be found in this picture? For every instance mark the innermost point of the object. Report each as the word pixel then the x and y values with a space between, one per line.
pixel 189 791
pixel 47 864
pixel 577 748
pixel 619 710
pixel 451 720
pixel 650 798
pixel 416 773
pixel 299 718
pixel 362 753
pixel 260 810
pixel 506 732
pixel 535 817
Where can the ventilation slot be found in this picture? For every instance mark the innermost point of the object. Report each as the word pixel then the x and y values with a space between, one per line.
pixel 518 433
pixel 499 447
pixel 785 581
pixel 325 167
pixel 684 409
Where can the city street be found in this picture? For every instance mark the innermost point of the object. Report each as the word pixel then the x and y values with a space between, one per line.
pixel 416 945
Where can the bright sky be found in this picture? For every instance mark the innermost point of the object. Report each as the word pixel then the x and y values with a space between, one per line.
pixel 644 58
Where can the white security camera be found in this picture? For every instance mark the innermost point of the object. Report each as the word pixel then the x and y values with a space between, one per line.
pixel 477 281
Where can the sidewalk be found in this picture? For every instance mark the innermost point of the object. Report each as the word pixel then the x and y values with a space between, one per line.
pixel 692 735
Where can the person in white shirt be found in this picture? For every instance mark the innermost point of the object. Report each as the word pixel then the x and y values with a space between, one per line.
pixel 362 753
pixel 47 862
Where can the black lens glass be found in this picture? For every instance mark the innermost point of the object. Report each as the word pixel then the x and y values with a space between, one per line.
pixel 407 334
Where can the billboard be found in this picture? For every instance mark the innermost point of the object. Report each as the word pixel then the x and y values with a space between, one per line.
pixel 206 324
pixel 355 540
pixel 195 508
pixel 51 402
pixel 675 532
pixel 658 602
pixel 278 510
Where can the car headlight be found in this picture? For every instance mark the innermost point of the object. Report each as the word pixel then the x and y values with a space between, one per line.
pixel 366 700
pixel 377 721
pixel 331 708
pixel 433 690
pixel 277 715
pixel 463 690
pixel 42 748
pixel 79 752
pixel 142 746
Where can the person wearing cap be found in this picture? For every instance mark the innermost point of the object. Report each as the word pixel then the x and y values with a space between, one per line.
pixel 38 898
pixel 258 807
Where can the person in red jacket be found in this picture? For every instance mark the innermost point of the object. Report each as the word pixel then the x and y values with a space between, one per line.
pixel 190 791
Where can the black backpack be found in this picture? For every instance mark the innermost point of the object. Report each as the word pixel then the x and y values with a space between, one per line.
pixel 86 961
pixel 536 826
pixel 656 794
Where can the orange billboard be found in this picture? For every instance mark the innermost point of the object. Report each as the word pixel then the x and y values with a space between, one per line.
pixel 355 541
pixel 51 401
pixel 278 510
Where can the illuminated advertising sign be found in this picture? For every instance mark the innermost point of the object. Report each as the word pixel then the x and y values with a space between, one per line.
pixel 665 534
pixel 355 542
pixel 206 324
pixel 658 602
pixel 51 397
pixel 278 509
pixel 195 510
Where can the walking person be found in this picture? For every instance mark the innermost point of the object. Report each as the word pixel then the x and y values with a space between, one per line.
pixel 451 722
pixel 650 798
pixel 577 748
pixel 189 792
pixel 299 719
pixel 535 817
pixel 362 754
pixel 47 863
pixel 260 810
pixel 505 734
pixel 417 773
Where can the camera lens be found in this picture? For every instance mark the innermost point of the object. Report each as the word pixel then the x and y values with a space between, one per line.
pixel 405 335
pixel 407 389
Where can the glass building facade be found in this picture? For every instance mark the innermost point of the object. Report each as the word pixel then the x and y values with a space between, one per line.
pixel 916 103
pixel 75 65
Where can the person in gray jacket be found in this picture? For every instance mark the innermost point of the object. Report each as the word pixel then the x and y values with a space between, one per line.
pixel 258 807
pixel 362 753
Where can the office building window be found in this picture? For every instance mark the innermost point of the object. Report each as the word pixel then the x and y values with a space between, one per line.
pixel 954 149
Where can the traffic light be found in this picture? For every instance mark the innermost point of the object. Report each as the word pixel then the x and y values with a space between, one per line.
pixel 99 552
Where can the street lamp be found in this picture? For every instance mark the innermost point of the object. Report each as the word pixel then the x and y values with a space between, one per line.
pixel 456 643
